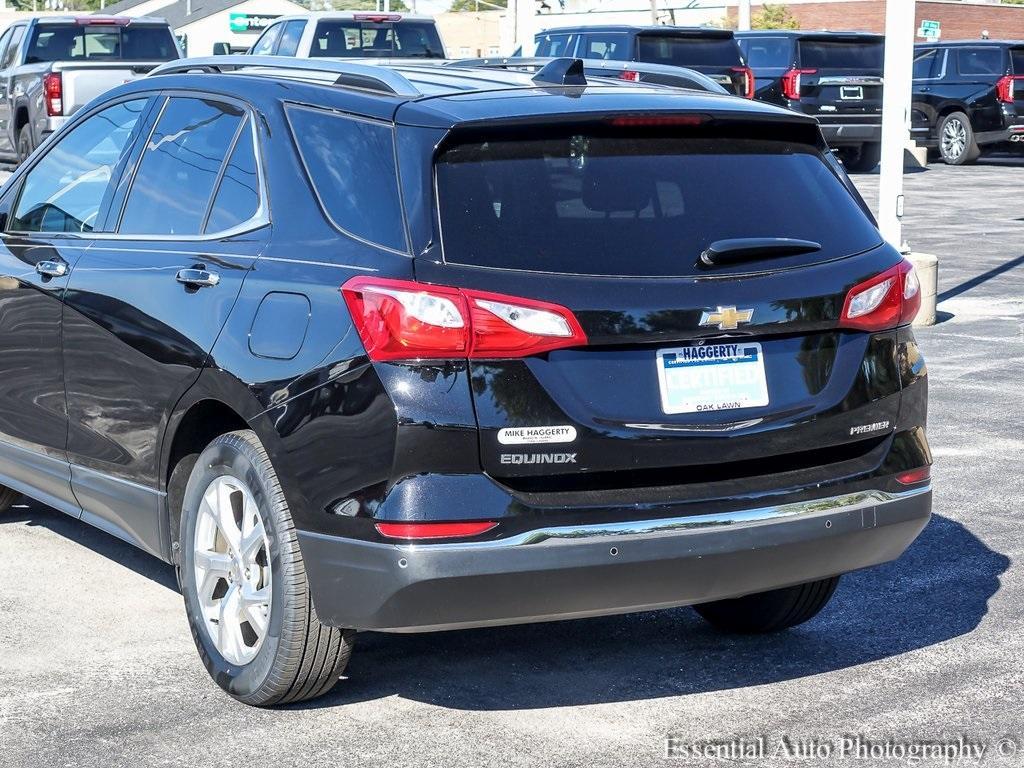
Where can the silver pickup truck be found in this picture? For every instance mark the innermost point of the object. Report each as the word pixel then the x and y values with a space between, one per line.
pixel 52 66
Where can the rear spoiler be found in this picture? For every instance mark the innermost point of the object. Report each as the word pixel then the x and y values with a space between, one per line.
pixel 679 77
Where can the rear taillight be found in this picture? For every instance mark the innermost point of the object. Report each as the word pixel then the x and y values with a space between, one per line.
pixel 629 74
pixel 433 530
pixel 885 301
pixel 1004 88
pixel 405 320
pixel 791 82
pixel 53 94
pixel 914 476
pixel 748 81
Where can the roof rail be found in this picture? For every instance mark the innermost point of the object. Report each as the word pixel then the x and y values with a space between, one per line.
pixel 364 76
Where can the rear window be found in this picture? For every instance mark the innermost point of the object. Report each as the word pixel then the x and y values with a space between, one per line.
pixel 72 42
pixel 834 54
pixel 611 205
pixel 353 39
pixel 682 51
pixel 766 51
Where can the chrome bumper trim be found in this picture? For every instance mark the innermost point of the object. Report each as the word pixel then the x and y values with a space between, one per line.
pixel 744 518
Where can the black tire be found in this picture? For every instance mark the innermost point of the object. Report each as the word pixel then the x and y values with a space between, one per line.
pixel 299 658
pixel 25 143
pixel 770 611
pixel 7 498
pixel 965 149
pixel 863 159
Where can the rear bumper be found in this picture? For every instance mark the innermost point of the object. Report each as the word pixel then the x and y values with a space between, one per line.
pixel 588 570
pixel 845 134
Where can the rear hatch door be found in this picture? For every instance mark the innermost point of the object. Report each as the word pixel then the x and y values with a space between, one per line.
pixel 685 366
pixel 842 77
pixel 713 53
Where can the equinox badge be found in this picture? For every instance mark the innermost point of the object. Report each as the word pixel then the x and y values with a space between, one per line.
pixel 726 318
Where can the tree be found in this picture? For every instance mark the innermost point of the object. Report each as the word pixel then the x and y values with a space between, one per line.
pixel 773 17
pixel 477 5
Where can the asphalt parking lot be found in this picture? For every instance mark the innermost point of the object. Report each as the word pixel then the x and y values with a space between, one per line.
pixel 97 667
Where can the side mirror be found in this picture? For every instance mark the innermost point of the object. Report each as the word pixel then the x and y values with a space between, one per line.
pixel 221 49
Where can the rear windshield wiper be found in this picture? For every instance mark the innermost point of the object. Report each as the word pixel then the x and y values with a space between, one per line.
pixel 722 252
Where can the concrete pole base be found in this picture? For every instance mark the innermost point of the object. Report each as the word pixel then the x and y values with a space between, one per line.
pixel 927 267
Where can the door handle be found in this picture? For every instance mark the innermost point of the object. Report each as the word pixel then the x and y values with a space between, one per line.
pixel 198 278
pixel 52 268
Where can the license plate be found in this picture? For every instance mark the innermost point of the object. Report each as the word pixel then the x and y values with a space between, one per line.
pixel 851 92
pixel 712 377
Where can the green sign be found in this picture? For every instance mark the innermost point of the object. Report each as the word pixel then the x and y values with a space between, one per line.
pixel 249 22
pixel 929 29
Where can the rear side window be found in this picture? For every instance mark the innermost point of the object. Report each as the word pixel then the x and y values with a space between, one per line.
pixel 12 51
pixel 238 196
pixel 64 191
pixel 1017 60
pixel 554 45
pixel 837 54
pixel 618 205
pixel 351 163
pixel 171 191
pixel 72 42
pixel 290 38
pixel 980 61
pixel 766 51
pixel 342 38
pixel 683 51
pixel 606 46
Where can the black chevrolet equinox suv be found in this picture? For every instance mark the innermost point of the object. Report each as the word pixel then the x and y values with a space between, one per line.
pixel 412 348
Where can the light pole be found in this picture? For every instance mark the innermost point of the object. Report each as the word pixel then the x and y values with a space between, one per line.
pixel 743 15
pixel 899 63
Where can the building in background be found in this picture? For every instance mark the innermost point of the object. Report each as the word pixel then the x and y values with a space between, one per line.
pixel 471 34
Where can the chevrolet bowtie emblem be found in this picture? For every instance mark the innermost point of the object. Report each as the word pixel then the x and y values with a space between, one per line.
pixel 727 318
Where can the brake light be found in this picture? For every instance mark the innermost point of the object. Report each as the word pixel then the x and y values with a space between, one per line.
pixel 406 320
pixel 791 82
pixel 629 74
pixel 885 301
pixel 433 530
pixel 748 81
pixel 53 94
pixel 653 121
pixel 377 18
pixel 914 476
pixel 89 21
pixel 1004 88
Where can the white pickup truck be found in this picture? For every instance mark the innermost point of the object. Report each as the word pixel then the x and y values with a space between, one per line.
pixel 54 65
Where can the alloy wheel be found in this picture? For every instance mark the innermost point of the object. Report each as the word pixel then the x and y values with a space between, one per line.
pixel 231 557
pixel 954 139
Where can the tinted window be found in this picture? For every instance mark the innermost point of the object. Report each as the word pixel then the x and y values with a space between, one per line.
pixel 265 45
pixel 606 46
pixel 172 187
pixel 1017 60
pixel 342 38
pixel 928 63
pixel 766 51
pixel 598 204
pixel 352 166
pixel 684 51
pixel 12 51
pixel 834 54
pixel 980 61
pixel 4 38
pixel 238 196
pixel 290 37
pixel 554 45
pixel 64 191
pixel 60 42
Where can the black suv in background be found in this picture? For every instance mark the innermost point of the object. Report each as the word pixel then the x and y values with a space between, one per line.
pixel 411 348
pixel 712 52
pixel 833 76
pixel 968 96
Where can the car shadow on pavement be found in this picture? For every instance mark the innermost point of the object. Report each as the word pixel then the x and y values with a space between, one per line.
pixel 938 590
